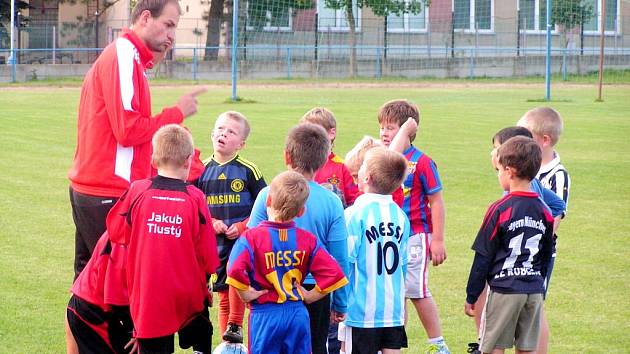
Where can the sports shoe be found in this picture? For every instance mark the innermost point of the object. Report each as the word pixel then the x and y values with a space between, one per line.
pixel 437 348
pixel 233 333
pixel 473 348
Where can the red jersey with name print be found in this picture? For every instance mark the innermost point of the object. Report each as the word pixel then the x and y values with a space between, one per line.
pixel 336 177
pixel 516 238
pixel 274 256
pixel 171 249
pixel 422 181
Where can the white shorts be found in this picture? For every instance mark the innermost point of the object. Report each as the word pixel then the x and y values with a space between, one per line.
pixel 419 255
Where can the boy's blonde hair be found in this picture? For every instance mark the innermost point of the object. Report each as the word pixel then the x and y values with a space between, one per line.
pixel 307 146
pixel 172 146
pixel 288 193
pixel 239 117
pixel 320 116
pixel 543 121
pixel 354 158
pixel 397 112
pixel 387 169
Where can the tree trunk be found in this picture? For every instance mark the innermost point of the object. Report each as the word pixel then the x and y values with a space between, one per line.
pixel 215 18
pixel 352 38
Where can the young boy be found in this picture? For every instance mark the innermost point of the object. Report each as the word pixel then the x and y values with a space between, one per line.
pixel 97 317
pixel 424 207
pixel 378 232
pixel 171 249
pixel 334 174
pixel 306 149
pixel 545 124
pixel 512 252
pixel 555 204
pixel 231 184
pixel 268 264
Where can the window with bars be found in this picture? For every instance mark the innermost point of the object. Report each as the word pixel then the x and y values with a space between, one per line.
pixel 473 15
pixel 409 22
pixel 335 19
pixel 593 25
pixel 533 15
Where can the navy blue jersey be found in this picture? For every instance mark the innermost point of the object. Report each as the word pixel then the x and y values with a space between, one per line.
pixel 231 189
pixel 515 238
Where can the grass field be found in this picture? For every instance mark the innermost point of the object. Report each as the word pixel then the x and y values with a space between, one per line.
pixel 589 302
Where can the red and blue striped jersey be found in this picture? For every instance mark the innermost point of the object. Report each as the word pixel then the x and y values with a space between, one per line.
pixel 274 256
pixel 422 181
pixel 336 177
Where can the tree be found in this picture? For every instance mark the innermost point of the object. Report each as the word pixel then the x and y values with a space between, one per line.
pixel 5 20
pixel 381 8
pixel 254 13
pixel 570 14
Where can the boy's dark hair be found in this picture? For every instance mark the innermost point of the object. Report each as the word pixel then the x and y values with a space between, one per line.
pixel 398 111
pixel 387 169
pixel 307 145
pixel 288 193
pixel 155 7
pixel 522 154
pixel 504 134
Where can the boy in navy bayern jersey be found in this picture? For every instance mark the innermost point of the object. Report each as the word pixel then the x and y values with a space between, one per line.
pixel 512 253
pixel 231 184
pixel 268 264
pixel 378 232
pixel 171 249
pixel 306 149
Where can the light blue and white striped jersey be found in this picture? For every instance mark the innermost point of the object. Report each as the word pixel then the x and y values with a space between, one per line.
pixel 378 231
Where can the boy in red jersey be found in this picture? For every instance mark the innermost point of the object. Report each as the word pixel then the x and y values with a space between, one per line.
pixel 268 265
pixel 334 175
pixel 171 249
pixel 512 253
pixel 424 205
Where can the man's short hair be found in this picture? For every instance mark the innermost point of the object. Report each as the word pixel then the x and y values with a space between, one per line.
pixel 397 112
pixel 307 145
pixel 288 193
pixel 504 134
pixel 543 121
pixel 354 158
pixel 155 7
pixel 320 116
pixel 523 155
pixel 172 146
pixel 387 169
pixel 238 117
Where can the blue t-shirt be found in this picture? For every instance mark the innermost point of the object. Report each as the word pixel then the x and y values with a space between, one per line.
pixel 323 218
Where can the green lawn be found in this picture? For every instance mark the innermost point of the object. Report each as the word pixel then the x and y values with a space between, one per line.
pixel 588 305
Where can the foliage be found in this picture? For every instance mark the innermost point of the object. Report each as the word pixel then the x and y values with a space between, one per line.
pixel 5 20
pixel 570 13
pixel 382 8
pixel 259 12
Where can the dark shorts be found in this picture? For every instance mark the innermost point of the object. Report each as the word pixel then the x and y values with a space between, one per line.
pixel 95 330
pixel 319 314
pixel 89 214
pixel 371 340
pixel 197 334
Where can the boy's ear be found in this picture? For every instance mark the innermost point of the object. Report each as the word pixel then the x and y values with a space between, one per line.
pixel 287 159
pixel 547 140
pixel 301 212
pixel 268 201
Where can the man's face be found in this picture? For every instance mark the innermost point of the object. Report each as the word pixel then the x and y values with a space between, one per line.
pixel 159 32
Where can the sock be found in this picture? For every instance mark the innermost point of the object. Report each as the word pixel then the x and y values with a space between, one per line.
pixel 436 340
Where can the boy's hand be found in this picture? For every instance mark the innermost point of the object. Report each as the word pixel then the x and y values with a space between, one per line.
pixel 251 294
pixel 219 226
pixel 469 309
pixel 309 296
pixel 232 232
pixel 410 127
pixel 438 252
pixel 133 344
pixel 337 317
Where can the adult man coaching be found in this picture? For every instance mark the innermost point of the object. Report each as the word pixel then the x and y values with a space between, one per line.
pixel 115 124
